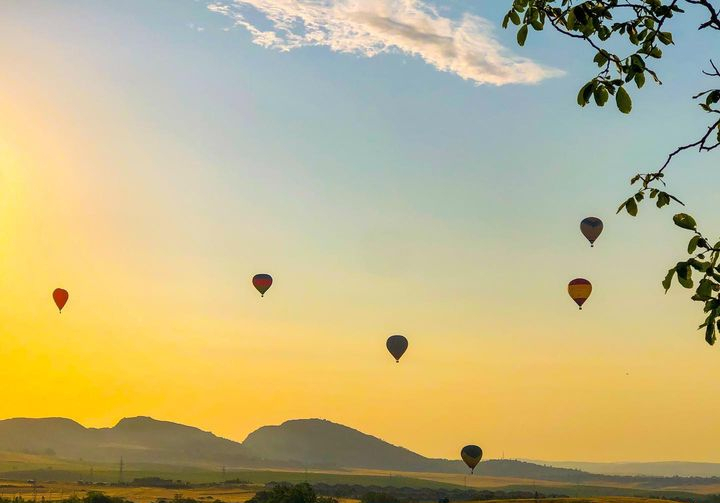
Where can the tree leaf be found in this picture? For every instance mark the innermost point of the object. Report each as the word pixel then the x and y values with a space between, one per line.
pixel 705 289
pixel 601 96
pixel 685 221
pixel 684 274
pixel 640 79
pixel 600 59
pixel 685 282
pixel 623 101
pixel 667 282
pixel 692 245
pixel 665 37
pixel 710 333
pixel 584 94
pixel 631 207
pixel 522 35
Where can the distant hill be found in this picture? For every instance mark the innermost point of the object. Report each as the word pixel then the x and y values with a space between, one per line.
pixel 652 469
pixel 317 442
pixel 141 439
pixel 301 443
pixel 322 443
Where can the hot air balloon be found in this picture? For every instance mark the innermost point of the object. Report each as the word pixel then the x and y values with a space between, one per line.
pixel 397 345
pixel 579 289
pixel 262 282
pixel 471 454
pixel 591 227
pixel 60 297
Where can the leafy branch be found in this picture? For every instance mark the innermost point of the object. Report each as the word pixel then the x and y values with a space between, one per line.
pixel 705 261
pixel 641 23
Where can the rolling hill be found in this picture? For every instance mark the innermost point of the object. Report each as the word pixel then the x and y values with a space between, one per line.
pixel 296 444
pixel 141 439
pixel 301 443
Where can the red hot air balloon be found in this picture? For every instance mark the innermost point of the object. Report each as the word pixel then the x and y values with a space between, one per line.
pixel 60 297
pixel 262 282
pixel 579 289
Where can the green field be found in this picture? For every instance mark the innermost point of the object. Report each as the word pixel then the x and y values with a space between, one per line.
pixel 61 476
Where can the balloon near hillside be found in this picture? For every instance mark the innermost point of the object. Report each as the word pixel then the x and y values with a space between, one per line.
pixel 397 345
pixel 262 282
pixel 471 454
pixel 60 297
pixel 591 227
pixel 579 290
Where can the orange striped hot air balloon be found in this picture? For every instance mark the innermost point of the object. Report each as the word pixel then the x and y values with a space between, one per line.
pixel 579 289
pixel 60 297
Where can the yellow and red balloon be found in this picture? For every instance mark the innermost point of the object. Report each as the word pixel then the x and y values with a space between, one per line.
pixel 579 290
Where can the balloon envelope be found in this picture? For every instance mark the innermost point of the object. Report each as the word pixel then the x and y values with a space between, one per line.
pixel 471 454
pixel 579 289
pixel 397 345
pixel 262 282
pixel 591 227
pixel 60 297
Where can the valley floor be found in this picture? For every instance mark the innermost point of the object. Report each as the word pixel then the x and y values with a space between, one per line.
pixel 52 491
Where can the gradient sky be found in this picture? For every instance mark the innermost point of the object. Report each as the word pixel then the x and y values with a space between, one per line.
pixel 155 155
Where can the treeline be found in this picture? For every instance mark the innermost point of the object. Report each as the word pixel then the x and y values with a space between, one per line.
pixel 378 494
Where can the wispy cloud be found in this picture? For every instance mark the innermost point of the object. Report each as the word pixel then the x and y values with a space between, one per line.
pixel 464 46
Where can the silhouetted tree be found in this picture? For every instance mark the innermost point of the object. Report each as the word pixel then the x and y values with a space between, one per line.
pixel 288 493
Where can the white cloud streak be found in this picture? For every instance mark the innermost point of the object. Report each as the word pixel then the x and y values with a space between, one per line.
pixel 465 46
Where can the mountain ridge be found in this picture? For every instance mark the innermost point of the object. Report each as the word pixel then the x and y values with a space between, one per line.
pixel 296 443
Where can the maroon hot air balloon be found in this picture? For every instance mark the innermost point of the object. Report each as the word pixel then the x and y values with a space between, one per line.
pixel 591 227
pixel 60 297
pixel 262 282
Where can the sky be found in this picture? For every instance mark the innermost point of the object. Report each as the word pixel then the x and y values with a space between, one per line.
pixel 399 167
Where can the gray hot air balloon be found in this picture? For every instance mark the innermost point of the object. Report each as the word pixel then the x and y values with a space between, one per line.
pixel 591 227
pixel 397 345
pixel 471 454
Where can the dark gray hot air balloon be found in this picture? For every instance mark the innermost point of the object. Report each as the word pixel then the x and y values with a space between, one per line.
pixel 591 227
pixel 397 345
pixel 471 454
